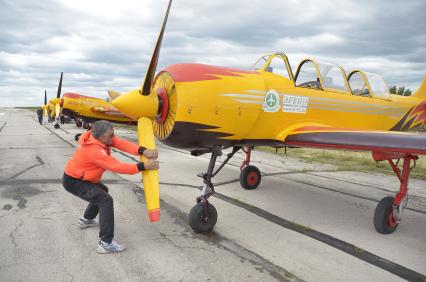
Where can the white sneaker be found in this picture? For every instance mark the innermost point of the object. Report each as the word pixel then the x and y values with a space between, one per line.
pixel 84 223
pixel 113 247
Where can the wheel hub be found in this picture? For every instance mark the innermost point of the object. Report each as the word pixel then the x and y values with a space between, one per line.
pixel 252 178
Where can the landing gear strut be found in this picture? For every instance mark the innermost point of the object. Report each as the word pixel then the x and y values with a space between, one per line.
pixel 388 213
pixel 203 216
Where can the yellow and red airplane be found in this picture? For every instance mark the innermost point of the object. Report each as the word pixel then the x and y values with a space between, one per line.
pixel 85 109
pixel 45 105
pixel 204 109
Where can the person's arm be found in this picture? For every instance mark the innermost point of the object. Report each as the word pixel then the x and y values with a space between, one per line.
pixel 132 148
pixel 125 146
pixel 107 162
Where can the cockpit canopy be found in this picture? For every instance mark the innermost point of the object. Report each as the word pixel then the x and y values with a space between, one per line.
pixel 321 75
pixel 276 63
pixel 368 84
pixel 325 76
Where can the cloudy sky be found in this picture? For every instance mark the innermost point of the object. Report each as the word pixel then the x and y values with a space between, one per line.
pixel 101 45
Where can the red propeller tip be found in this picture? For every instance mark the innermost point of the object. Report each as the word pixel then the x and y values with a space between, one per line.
pixel 154 215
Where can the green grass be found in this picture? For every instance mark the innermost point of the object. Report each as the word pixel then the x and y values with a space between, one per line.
pixel 301 227
pixel 347 160
pixel 358 250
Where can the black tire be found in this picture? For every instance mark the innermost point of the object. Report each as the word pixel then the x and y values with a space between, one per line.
pixel 196 220
pixel 56 126
pixel 250 177
pixel 381 216
pixel 78 123
pixel 77 136
pixel 85 125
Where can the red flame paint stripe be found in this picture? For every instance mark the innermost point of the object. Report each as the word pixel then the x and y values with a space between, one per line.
pixel 199 72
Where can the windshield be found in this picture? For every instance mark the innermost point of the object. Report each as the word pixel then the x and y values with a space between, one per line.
pixel 260 63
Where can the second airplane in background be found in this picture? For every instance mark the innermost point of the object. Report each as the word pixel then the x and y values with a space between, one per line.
pixel 85 109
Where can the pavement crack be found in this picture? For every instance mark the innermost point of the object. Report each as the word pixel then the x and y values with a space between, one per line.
pixel 8 214
pixel 40 162
pixel 3 125
pixel 12 234
pixel 166 237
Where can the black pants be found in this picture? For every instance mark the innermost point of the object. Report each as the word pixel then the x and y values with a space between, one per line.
pixel 99 202
pixel 40 119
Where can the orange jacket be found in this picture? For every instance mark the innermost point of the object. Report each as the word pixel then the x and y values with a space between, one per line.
pixel 93 157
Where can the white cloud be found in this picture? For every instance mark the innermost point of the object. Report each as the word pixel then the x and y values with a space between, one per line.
pixel 107 44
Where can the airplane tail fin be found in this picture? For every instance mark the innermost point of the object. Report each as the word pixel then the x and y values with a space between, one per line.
pixel 421 92
pixel 113 95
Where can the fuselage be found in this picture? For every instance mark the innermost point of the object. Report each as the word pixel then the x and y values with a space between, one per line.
pixel 91 109
pixel 220 106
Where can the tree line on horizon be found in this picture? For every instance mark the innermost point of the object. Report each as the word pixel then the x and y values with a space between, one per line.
pixel 400 90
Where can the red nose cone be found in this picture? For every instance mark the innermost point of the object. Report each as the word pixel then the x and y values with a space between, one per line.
pixel 154 215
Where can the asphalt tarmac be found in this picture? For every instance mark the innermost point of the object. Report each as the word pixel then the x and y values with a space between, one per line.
pixel 305 222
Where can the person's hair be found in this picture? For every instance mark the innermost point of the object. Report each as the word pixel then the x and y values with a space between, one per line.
pixel 100 127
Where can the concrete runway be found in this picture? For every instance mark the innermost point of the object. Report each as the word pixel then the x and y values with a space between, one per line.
pixel 304 222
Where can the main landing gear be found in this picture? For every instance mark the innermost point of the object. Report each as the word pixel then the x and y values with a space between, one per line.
pixel 388 213
pixel 203 216
pixel 78 123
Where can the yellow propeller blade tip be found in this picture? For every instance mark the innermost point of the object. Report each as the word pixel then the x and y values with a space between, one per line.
pixel 154 215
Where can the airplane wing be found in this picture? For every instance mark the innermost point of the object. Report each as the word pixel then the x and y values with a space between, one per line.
pixel 357 140
pixel 109 111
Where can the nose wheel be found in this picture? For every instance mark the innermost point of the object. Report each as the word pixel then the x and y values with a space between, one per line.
pixel 202 217
pixel 56 126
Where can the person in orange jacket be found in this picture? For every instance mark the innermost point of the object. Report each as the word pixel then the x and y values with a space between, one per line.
pixel 83 172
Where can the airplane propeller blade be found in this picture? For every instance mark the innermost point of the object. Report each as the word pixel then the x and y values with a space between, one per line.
pixel 146 88
pixel 145 108
pixel 45 103
pixel 149 177
pixel 58 95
